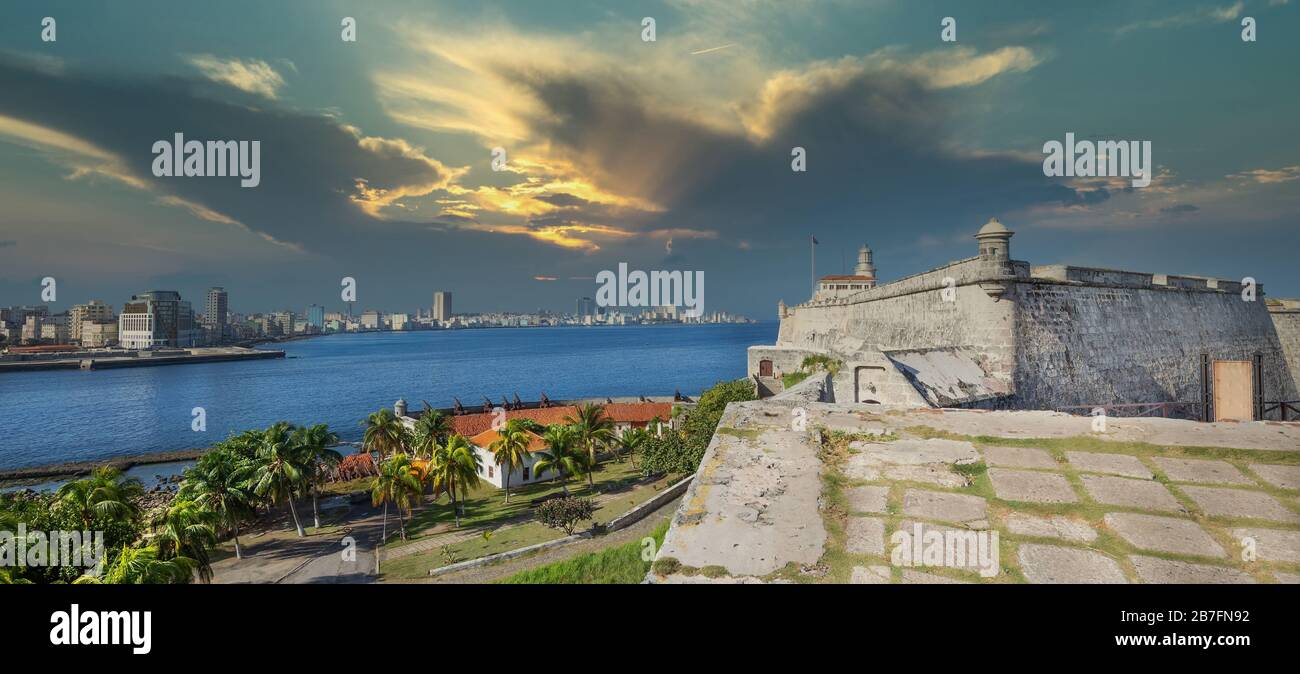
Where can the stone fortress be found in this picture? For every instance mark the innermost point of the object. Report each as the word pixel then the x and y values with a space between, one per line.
pixel 994 332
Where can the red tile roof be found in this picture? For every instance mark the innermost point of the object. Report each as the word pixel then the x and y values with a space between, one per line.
pixel 486 438
pixel 470 425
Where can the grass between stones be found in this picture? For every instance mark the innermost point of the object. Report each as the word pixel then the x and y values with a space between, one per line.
pixel 835 511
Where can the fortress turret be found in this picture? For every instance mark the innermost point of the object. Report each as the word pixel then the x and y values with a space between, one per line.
pixel 995 257
pixel 842 285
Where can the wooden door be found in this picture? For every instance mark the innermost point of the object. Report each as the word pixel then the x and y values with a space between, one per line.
pixel 765 368
pixel 1234 384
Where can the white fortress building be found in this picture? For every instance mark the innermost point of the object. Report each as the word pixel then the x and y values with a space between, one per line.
pixel 994 332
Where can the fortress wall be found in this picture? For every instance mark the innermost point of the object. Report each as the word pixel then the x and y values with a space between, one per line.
pixel 911 314
pixel 1286 322
pixel 1088 344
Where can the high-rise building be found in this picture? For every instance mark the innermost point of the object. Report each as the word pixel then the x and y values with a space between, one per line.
pixel 158 318
pixel 442 306
pixel 95 311
pixel 216 310
pixel 285 319
pixel 316 316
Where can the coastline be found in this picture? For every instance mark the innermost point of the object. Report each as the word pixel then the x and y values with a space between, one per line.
pixel 46 472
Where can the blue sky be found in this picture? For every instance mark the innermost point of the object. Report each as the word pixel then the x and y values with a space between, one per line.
pixel 673 154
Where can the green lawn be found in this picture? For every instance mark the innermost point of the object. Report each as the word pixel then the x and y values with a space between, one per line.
pixel 622 564
pixel 510 527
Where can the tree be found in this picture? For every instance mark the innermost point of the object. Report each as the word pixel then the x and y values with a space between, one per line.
pixel 384 433
pixel 565 512
pixel 106 496
pixel 319 459
pixel 220 482
pixel 280 469
pixel 431 430
pixel 561 455
pixel 630 441
pixel 397 484
pixel 186 530
pixel 143 565
pixel 592 429
pixel 510 450
pixel 455 468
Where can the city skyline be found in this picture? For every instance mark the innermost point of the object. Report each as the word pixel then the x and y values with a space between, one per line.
pixel 377 157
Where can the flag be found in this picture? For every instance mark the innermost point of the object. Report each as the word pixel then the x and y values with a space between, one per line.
pixel 815 241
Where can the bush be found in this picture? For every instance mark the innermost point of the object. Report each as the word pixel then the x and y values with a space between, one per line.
pixel 565 513
pixel 681 452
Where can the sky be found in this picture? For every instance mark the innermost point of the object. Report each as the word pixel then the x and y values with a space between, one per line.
pixel 377 155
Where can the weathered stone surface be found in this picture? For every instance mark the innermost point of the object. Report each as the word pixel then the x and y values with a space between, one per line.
pixel 1055 526
pixel 1033 486
pixel 1239 503
pixel 964 543
pixel 1287 578
pixel 866 536
pixel 911 577
pixel 869 575
pixel 862 467
pixel 1274 545
pixel 913 452
pixel 1055 564
pixel 1156 570
pixel 867 499
pixel 1200 470
pixel 1286 477
pixel 934 505
pixel 1123 491
pixel 1019 457
pixel 936 474
pixel 1115 464
pixel 1164 534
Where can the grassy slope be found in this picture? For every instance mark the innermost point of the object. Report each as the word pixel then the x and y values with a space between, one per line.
pixel 618 565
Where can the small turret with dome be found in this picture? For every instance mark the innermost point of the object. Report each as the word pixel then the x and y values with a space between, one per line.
pixel 841 285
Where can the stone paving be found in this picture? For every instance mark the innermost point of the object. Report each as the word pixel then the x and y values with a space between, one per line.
pixel 894 496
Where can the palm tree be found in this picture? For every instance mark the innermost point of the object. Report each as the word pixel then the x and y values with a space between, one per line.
pixel 510 450
pixel 137 566
pixel 397 484
pixel 384 433
pixel 220 482
pixel 431 429
pixel 280 469
pixel 314 443
pixel 455 468
pixel 560 455
pixel 186 530
pixel 632 440
pixel 593 429
pixel 106 493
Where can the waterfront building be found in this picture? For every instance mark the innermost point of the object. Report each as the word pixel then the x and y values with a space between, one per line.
pixel 216 311
pixel 398 321
pixel 371 320
pixel 284 319
pixel 158 318
pixel 55 332
pixel 98 334
pixel 315 315
pixel 94 311
pixel 32 328
pixel 442 306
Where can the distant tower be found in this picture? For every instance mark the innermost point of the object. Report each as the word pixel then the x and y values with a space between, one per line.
pixel 995 258
pixel 865 266
pixel 399 407
pixel 780 309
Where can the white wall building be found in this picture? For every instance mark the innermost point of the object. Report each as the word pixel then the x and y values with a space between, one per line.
pixel 521 475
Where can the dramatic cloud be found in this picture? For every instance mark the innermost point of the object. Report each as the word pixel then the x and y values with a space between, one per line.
pixel 253 76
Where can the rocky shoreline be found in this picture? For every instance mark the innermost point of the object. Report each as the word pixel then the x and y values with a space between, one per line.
pixel 78 468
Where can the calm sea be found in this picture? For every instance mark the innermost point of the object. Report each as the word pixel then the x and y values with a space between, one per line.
pixel 71 415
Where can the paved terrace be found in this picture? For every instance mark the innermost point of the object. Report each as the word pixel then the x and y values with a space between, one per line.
pixel 1146 501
